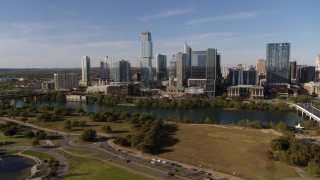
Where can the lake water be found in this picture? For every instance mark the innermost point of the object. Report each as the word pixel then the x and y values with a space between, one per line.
pixel 222 116
pixel 15 167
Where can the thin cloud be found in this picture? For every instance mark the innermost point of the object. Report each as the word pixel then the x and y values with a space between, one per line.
pixel 236 16
pixel 169 13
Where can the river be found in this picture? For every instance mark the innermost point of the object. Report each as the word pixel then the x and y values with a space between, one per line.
pixel 15 167
pixel 222 116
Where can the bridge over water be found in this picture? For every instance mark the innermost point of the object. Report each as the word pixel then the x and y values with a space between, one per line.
pixel 307 110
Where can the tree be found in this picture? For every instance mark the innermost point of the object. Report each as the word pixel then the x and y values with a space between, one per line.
pixel 41 134
pixel 35 142
pixel 29 134
pixel 88 135
pixel 67 125
pixel 10 131
pixel 106 129
pixel 282 126
pixel 75 123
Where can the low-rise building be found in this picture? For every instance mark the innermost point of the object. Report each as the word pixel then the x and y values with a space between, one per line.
pixel 194 90
pixel 312 87
pixel 47 85
pixel 246 91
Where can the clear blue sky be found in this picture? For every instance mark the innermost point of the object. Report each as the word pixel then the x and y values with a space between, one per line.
pixel 50 34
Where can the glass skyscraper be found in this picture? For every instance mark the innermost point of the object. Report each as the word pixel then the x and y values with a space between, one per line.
pixel 105 68
pixel 278 68
pixel 161 69
pixel 146 58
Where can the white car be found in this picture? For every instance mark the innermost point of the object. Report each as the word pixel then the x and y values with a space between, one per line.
pixel 152 162
pixel 163 162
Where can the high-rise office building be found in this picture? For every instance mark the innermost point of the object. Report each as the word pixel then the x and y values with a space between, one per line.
pixel 198 64
pixel 187 50
pixel 242 77
pixel 261 67
pixel 212 71
pixel 122 71
pixel 161 69
pixel 65 81
pixel 278 69
pixel 146 59
pixel 180 70
pixel 305 73
pixel 85 64
pixel 293 70
pixel 105 68
pixel 317 75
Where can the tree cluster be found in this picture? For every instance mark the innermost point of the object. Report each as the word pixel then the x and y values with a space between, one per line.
pixel 295 152
pixel 88 135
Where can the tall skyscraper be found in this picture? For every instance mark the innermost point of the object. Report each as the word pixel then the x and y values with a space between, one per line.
pixel 278 69
pixel 105 68
pixel 180 71
pixel 305 73
pixel 293 70
pixel 161 69
pixel 85 64
pixel 317 76
pixel 187 50
pixel 261 67
pixel 146 58
pixel 212 65
pixel 122 71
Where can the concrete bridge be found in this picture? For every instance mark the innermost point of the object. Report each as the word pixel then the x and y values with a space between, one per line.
pixel 307 110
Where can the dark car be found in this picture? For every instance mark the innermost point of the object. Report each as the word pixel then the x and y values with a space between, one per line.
pixel 128 160
pixel 170 174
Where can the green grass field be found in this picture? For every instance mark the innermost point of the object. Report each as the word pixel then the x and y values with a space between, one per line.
pixel 14 140
pixel 40 155
pixel 89 168
pixel 228 150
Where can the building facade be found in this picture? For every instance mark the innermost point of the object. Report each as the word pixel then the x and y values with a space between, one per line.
pixel 305 74
pixel 146 59
pixel 278 69
pixel 105 68
pixel 293 71
pixel 261 67
pixel 122 71
pixel 85 65
pixel 180 71
pixel 246 91
pixel 242 77
pixel 161 69
pixel 65 81
pixel 187 50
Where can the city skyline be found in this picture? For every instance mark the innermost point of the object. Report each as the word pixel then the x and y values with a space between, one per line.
pixel 60 33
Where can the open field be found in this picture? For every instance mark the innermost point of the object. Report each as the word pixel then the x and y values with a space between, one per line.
pixel 16 140
pixel 229 150
pixel 89 168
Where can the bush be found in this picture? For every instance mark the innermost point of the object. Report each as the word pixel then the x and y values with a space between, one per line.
pixel 41 134
pixel 10 131
pixel 106 129
pixel 122 141
pixel 29 134
pixel 88 135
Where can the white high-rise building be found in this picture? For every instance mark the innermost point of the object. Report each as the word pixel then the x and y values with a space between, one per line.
pixel 317 78
pixel 85 65
pixel 146 58
pixel 65 81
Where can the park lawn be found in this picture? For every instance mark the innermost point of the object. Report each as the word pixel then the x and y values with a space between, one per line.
pixel 120 128
pixel 79 151
pixel 40 155
pixel 228 150
pixel 89 168
pixel 16 140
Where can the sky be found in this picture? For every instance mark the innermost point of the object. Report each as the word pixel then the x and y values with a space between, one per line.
pixel 56 34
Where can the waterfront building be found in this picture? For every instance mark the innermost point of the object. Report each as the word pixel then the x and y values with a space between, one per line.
pixel 47 85
pixel 105 68
pixel 246 91
pixel 121 71
pixel 305 74
pixel 85 65
pixel 146 59
pixel 312 88
pixel 278 70
pixel 180 71
pixel 161 69
pixel 261 67
pixel 66 81
pixel 242 77
pixel 198 64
